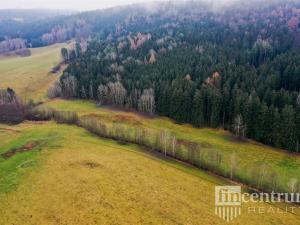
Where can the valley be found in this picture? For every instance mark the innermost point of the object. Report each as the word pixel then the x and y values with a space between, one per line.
pixel 182 112
pixel 106 181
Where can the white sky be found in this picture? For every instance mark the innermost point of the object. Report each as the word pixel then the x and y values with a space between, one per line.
pixel 64 4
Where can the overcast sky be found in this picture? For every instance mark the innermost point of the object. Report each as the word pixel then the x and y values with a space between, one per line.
pixel 64 4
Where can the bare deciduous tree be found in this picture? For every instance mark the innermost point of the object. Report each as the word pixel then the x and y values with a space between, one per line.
pixel 292 184
pixel 12 45
pixel 116 93
pixel 239 126
pixel 147 101
pixel 55 90
pixel 174 146
pixel 102 94
pixel 120 93
pixel 69 87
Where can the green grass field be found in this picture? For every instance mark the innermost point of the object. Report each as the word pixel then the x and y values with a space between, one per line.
pixel 29 76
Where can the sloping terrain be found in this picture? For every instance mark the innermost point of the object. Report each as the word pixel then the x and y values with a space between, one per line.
pixel 60 174
pixel 81 179
pixel 29 76
pixel 250 155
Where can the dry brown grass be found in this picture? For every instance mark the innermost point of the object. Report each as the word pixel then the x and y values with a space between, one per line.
pixel 29 76
pixel 87 180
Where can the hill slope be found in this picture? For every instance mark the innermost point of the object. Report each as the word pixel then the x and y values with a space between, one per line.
pixel 29 76
pixel 252 158
pixel 81 179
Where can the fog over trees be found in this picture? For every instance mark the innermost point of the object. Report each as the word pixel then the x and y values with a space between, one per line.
pixel 200 65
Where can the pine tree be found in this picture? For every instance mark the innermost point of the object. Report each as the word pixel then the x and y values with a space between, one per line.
pixel 91 90
pixel 65 55
pixel 198 109
pixel 288 128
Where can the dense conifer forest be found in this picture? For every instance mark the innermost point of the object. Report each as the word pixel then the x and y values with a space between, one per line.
pixel 234 67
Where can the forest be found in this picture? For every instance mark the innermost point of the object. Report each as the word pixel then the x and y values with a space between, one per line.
pixel 235 68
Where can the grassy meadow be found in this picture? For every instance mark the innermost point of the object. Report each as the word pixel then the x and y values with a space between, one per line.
pixel 29 76
pixel 78 178
pixel 249 154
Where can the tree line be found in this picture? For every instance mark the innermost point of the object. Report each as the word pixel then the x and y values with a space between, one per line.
pixel 259 176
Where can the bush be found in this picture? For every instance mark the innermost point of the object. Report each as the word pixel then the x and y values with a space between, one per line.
pixel 40 113
pixel 67 117
pixel 13 112
pixel 91 125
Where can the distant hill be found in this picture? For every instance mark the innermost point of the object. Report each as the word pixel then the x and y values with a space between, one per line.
pixel 29 24
pixel 30 15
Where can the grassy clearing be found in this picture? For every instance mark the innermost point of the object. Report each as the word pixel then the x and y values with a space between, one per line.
pixel 249 154
pixel 14 165
pixel 81 179
pixel 29 76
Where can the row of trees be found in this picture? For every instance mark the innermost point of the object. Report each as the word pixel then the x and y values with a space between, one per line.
pixel 113 93
pixel 13 110
pixel 77 29
pixel 76 51
pixel 260 176
pixel 12 45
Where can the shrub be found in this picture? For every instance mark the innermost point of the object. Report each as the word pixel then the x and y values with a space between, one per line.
pixel 12 110
pixel 67 117
pixel 40 113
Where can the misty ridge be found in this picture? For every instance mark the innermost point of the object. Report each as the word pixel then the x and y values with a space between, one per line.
pixel 31 24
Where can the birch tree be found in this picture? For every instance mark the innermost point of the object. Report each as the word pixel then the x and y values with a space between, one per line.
pixel 102 94
pixel 239 126
pixel 147 101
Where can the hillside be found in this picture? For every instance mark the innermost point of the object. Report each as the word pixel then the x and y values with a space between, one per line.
pixel 76 177
pixel 253 160
pixel 30 76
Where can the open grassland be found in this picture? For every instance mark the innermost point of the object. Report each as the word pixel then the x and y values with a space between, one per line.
pixel 29 76
pixel 18 150
pixel 251 157
pixel 79 178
